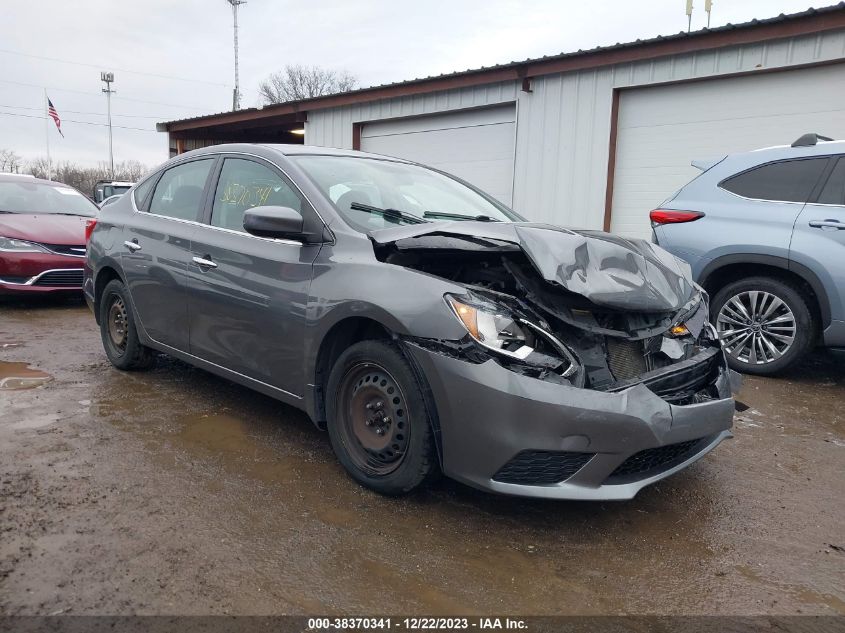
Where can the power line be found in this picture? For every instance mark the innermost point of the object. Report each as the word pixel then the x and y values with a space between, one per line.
pixel 34 116
pixel 123 70
pixel 129 116
pixel 88 94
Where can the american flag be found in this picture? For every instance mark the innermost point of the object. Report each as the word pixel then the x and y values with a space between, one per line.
pixel 51 112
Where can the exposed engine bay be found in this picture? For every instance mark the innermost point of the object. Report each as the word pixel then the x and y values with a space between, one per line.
pixel 633 320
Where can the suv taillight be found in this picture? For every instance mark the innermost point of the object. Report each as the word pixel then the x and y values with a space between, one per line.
pixel 89 228
pixel 668 216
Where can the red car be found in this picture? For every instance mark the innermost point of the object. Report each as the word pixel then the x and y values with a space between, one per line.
pixel 42 235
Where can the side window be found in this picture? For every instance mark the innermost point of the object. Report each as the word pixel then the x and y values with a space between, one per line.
pixel 784 181
pixel 178 193
pixel 245 184
pixel 834 189
pixel 142 190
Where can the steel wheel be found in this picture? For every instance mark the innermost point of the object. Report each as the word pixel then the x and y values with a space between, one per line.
pixel 374 421
pixel 118 324
pixel 756 327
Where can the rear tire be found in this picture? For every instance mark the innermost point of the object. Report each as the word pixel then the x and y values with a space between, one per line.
pixel 378 421
pixel 766 324
pixel 118 331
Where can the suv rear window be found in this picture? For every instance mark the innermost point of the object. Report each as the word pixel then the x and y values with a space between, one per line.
pixel 834 190
pixel 784 181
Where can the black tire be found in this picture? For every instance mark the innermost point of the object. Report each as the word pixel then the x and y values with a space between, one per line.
pixel 402 456
pixel 795 300
pixel 124 352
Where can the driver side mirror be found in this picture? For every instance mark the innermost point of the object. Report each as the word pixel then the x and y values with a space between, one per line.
pixel 275 222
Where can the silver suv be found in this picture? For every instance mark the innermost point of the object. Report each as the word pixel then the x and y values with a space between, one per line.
pixel 764 232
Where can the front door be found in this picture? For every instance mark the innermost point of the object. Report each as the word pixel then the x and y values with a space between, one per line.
pixel 157 249
pixel 247 295
pixel 818 242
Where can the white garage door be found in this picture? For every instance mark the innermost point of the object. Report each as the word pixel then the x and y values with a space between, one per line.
pixel 661 129
pixel 476 145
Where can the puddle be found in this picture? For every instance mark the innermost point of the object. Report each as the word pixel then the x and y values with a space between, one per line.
pixel 15 376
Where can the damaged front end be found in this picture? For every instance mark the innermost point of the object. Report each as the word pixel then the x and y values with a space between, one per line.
pixel 583 309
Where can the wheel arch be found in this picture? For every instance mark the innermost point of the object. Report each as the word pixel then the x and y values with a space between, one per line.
pixel 344 333
pixel 106 273
pixel 728 268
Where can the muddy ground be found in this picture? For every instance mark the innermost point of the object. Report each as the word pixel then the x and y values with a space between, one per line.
pixel 176 492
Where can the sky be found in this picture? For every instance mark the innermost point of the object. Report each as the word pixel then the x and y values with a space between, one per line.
pixel 173 59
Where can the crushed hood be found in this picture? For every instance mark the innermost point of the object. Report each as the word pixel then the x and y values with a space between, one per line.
pixel 609 270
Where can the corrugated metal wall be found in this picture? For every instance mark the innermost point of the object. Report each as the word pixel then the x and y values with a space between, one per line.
pixel 563 125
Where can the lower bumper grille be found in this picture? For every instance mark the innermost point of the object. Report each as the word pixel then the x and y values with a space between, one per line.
pixel 535 468
pixel 61 278
pixel 655 460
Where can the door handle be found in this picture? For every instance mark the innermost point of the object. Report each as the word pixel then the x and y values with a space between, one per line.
pixel 827 224
pixel 202 262
pixel 132 246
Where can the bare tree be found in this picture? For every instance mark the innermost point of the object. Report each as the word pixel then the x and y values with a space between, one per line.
pixel 84 178
pixel 40 167
pixel 295 82
pixel 10 161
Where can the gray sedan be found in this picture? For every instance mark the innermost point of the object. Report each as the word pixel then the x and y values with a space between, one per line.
pixel 425 325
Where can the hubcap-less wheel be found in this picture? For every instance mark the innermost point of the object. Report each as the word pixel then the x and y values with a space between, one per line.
pixel 756 327
pixel 374 422
pixel 117 324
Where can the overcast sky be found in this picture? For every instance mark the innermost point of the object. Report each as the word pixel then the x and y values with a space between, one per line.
pixel 173 59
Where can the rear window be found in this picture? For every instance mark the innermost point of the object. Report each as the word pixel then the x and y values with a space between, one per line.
pixel 834 189
pixel 784 181
pixel 142 190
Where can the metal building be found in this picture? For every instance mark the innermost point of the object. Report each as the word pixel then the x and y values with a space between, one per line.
pixel 589 139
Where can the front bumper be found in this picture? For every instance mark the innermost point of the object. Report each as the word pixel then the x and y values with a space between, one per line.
pixel 39 273
pixel 490 415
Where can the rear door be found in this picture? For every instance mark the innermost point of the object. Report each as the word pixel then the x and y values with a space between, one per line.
pixel 247 294
pixel 157 249
pixel 818 241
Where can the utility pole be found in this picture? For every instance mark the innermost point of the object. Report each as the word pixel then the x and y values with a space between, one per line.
pixel 108 78
pixel 708 6
pixel 236 93
pixel 689 15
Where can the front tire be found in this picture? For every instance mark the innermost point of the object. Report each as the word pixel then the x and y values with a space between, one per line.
pixel 378 420
pixel 118 331
pixel 765 324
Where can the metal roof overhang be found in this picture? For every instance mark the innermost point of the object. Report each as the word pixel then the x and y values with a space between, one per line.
pixel 277 119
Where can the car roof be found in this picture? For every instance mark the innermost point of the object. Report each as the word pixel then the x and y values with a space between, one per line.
pixel 286 150
pixel 5 177
pixel 821 148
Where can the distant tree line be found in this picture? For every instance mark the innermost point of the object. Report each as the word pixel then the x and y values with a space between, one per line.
pixel 83 178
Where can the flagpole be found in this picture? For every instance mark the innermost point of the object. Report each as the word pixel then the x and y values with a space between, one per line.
pixel 47 135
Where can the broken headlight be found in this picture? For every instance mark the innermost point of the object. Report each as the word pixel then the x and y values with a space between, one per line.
pixel 495 328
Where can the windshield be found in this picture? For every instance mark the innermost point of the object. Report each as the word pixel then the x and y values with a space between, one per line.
pixel 373 194
pixel 36 197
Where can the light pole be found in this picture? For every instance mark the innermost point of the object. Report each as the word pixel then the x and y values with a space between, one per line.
pixel 236 93
pixel 108 78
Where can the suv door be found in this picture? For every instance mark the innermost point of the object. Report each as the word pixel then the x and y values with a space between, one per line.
pixel 157 249
pixel 818 242
pixel 247 295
